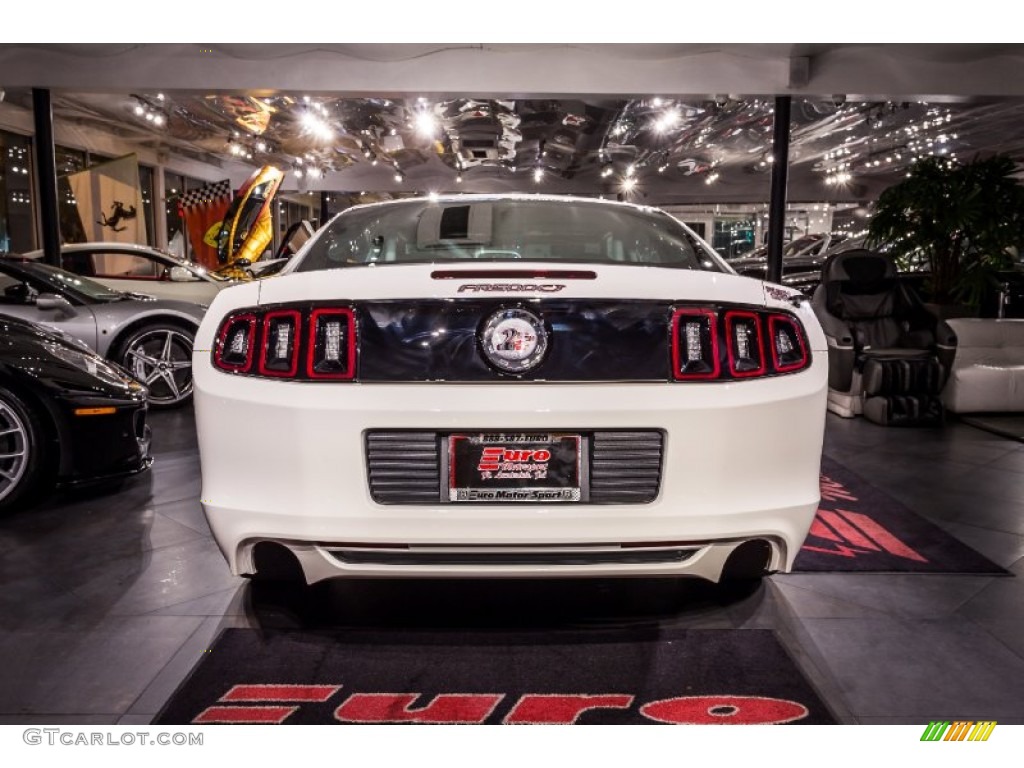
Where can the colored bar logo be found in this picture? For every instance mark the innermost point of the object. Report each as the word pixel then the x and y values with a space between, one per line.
pixel 959 730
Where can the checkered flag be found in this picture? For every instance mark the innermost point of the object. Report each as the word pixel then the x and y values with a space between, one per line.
pixel 202 210
pixel 208 194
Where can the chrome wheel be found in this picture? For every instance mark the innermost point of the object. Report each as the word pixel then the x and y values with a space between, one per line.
pixel 161 358
pixel 14 450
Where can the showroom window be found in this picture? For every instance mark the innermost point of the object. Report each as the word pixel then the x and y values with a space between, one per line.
pixel 734 235
pixel 17 230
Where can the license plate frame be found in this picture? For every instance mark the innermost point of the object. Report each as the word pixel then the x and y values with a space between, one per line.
pixel 515 469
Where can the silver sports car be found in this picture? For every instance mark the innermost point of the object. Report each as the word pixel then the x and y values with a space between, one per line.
pixel 150 338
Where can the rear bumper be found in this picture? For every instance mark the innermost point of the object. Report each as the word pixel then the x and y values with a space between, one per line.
pixel 741 462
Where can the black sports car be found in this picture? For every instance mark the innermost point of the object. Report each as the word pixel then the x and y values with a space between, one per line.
pixel 66 414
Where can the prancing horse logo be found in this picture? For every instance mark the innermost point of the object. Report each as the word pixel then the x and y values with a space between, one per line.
pixel 118 213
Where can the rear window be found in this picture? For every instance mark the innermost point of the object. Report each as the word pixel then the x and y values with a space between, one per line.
pixel 505 230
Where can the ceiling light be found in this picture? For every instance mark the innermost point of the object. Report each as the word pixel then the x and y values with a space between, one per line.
pixel 149 117
pixel 399 178
pixel 628 184
pixel 160 96
pixel 458 179
pixel 426 124
pixel 656 101
pixel 158 119
pixel 261 146
pixel 313 173
pixel 140 110
pixel 667 121
pixel 538 175
pixel 297 172
pixel 433 196
pixel 316 125
pixel 630 170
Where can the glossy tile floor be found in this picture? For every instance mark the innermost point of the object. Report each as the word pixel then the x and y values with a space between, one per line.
pixel 107 601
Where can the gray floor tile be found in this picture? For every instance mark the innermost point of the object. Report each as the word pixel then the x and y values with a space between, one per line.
pixel 921 669
pixel 153 580
pixel 97 671
pixel 786 601
pixel 227 602
pixel 188 512
pixel 59 719
pixel 998 546
pixel 136 719
pixel 165 683
pixel 918 596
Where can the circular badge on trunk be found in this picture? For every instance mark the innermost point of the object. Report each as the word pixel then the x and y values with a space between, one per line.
pixel 514 340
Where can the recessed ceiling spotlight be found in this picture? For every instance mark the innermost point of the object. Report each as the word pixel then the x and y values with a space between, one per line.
pixel 426 124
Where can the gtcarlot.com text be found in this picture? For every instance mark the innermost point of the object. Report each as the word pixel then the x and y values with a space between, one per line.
pixel 54 737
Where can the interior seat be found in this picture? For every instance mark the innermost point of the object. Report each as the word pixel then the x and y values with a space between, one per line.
pixel 888 355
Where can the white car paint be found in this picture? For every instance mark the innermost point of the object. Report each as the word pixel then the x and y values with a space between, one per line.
pixel 741 458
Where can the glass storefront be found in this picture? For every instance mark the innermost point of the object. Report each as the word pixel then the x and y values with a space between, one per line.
pixel 734 235
pixel 17 227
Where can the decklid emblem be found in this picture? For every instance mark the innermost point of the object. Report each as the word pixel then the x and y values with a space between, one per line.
pixel 514 340
pixel 511 287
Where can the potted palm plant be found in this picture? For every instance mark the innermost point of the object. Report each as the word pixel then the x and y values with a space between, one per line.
pixel 961 221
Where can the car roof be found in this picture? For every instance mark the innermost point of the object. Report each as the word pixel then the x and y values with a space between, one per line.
pixel 500 196
pixel 109 246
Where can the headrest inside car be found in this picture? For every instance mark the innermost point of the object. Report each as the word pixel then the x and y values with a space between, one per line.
pixel 454 224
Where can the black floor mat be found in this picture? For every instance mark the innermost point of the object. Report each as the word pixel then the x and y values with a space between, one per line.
pixel 599 676
pixel 860 528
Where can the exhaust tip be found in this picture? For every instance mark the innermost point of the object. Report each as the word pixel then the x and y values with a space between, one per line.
pixel 748 562
pixel 275 563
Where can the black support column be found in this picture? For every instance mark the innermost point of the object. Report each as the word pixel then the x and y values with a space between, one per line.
pixel 46 173
pixel 325 212
pixel 780 177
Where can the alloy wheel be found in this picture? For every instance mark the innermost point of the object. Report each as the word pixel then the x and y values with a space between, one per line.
pixel 14 450
pixel 161 358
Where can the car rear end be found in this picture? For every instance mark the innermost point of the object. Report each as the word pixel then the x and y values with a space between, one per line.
pixel 672 421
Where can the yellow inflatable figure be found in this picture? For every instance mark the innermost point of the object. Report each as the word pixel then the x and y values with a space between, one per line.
pixel 247 228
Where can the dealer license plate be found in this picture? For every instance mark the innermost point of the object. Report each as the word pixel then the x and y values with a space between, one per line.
pixel 517 467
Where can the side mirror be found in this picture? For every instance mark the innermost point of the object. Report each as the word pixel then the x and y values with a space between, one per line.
pixel 182 275
pixel 52 302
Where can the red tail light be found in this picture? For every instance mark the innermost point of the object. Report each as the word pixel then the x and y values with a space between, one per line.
pixel 754 344
pixel 279 353
pixel 235 342
pixel 332 344
pixel 789 347
pixel 271 342
pixel 746 356
pixel 695 347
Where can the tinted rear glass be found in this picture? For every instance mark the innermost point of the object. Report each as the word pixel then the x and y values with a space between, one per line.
pixel 505 230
